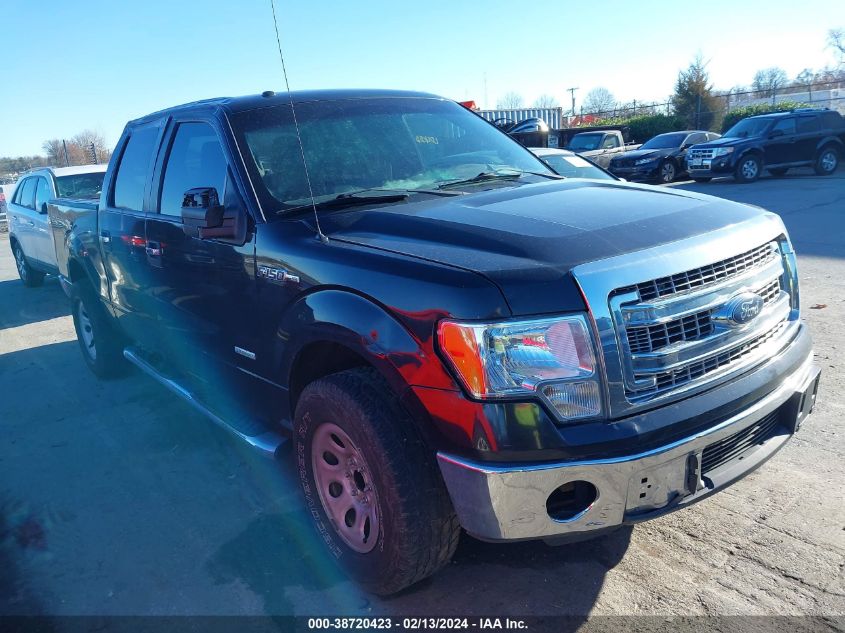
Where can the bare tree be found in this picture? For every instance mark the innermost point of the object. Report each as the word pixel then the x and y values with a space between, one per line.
pixel 55 151
pixel 598 100
pixel 510 101
pixel 836 40
pixel 768 81
pixel 546 101
pixel 86 138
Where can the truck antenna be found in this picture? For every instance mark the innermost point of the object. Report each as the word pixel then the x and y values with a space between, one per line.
pixel 320 233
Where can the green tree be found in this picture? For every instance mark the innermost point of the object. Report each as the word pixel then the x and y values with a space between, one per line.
pixel 694 100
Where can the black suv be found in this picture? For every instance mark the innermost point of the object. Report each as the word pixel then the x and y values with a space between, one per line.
pixel 777 142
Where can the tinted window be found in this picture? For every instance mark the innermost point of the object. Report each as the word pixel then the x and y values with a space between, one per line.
pixel 712 136
pixel 42 193
pixel 196 160
pixel 787 125
pixel 808 124
pixel 664 141
pixel 749 127
pixel 698 137
pixel 134 168
pixel 833 120
pixel 26 193
pixel 80 185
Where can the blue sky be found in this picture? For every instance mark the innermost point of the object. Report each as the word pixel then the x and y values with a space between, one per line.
pixel 79 64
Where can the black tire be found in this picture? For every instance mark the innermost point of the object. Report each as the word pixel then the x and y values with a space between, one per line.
pixel 667 172
pixel 417 529
pixel 778 171
pixel 748 168
pixel 702 179
pixel 101 346
pixel 30 277
pixel 827 161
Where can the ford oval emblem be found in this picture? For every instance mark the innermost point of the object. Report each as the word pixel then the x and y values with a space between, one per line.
pixel 743 308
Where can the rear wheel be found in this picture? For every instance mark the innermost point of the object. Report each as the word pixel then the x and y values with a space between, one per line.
pixel 101 346
pixel 748 169
pixel 827 161
pixel 667 172
pixel 370 483
pixel 778 171
pixel 30 277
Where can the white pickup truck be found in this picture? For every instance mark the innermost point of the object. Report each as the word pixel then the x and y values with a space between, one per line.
pixel 600 146
pixel 30 233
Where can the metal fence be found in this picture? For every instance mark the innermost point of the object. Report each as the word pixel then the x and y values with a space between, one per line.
pixel 829 94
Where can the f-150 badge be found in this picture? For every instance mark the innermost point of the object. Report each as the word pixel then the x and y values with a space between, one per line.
pixel 278 275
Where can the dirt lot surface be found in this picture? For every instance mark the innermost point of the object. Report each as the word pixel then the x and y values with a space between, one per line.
pixel 116 498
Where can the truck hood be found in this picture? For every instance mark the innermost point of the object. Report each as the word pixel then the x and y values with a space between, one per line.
pixel 526 239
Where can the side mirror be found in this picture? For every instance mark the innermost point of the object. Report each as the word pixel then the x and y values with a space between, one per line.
pixel 202 214
pixel 775 133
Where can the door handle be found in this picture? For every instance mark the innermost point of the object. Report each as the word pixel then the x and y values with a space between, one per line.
pixel 106 236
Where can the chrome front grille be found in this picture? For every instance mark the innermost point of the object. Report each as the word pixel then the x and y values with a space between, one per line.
pixel 700 153
pixel 673 319
pixel 691 327
pixel 712 273
pixel 677 377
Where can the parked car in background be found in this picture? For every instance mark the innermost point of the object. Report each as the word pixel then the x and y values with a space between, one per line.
pixel 570 164
pixel 600 147
pixel 661 158
pixel 30 233
pixel 777 142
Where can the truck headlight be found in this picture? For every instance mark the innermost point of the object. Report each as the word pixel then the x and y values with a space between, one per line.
pixel 722 151
pixel 644 161
pixel 552 359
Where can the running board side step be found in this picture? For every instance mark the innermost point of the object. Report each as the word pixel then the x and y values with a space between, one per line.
pixel 268 441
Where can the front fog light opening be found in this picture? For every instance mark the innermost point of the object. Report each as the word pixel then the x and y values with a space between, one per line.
pixel 571 500
pixel 573 400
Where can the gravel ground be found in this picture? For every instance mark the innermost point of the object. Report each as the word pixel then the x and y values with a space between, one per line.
pixel 116 498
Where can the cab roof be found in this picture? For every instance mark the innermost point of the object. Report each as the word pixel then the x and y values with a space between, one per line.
pixel 270 98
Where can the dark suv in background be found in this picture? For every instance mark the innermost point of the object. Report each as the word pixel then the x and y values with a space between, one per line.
pixel 776 142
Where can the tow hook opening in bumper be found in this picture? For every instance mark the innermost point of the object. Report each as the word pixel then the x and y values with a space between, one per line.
pixel 571 500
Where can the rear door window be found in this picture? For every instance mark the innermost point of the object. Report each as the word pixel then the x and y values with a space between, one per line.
pixel 786 125
pixel 808 124
pixel 26 194
pixel 134 169
pixel 610 142
pixel 42 193
pixel 196 160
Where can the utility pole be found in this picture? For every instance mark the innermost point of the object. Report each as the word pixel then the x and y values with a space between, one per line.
pixel 67 160
pixel 698 112
pixel 572 93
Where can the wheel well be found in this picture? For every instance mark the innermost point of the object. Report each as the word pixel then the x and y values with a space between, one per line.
pixel 316 360
pixel 13 241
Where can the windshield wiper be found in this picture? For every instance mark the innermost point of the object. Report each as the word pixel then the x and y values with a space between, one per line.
pixel 358 198
pixel 492 176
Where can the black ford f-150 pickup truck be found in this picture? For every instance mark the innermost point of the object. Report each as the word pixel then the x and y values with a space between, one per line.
pixel 450 335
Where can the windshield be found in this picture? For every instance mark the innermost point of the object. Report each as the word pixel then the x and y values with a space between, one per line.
pixel 575 167
pixel 80 185
pixel 663 141
pixel 748 127
pixel 585 141
pixel 353 145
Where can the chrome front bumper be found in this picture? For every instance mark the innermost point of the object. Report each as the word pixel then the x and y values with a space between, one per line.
pixel 508 502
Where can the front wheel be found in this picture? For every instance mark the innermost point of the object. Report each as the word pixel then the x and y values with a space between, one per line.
pixel 748 169
pixel 827 161
pixel 100 344
pixel 370 483
pixel 30 277
pixel 667 172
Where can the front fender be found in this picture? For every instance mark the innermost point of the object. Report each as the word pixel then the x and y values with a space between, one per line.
pixel 403 354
